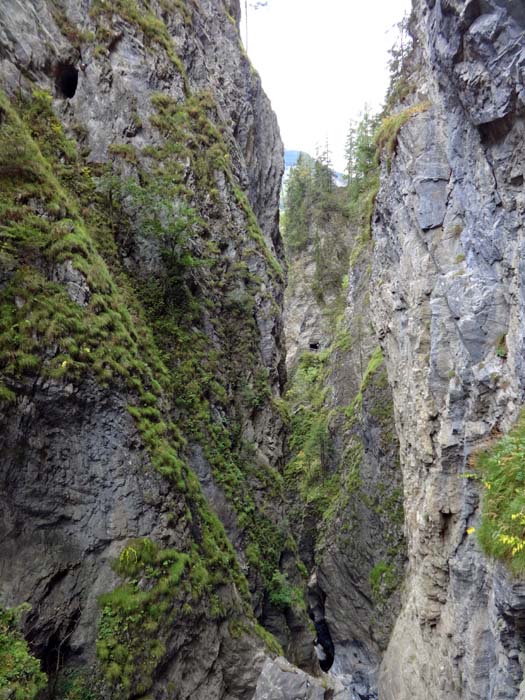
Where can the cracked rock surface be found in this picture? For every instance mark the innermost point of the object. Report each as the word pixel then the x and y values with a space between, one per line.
pixel 448 283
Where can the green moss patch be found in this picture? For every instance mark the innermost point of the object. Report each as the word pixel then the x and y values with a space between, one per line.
pixel 501 468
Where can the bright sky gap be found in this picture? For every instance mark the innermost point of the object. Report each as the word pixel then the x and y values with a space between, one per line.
pixel 320 63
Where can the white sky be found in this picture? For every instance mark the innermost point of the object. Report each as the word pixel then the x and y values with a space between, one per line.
pixel 320 61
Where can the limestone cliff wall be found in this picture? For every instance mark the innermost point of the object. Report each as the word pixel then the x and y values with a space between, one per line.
pixel 447 293
pixel 141 345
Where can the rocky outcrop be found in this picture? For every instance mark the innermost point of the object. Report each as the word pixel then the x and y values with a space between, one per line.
pixel 307 317
pixel 279 680
pixel 447 304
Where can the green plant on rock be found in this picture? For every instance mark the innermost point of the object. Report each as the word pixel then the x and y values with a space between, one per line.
pixel 500 466
pixel 383 580
pixel 136 616
pixel 283 594
pixel 501 347
pixel 20 674
pixel 73 684
pixel 386 136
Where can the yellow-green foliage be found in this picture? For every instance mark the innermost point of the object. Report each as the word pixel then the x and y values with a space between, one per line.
pixel 385 138
pixel 137 616
pixel 374 363
pixel 501 469
pixel 20 674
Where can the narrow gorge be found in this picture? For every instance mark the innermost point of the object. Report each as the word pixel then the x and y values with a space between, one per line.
pixel 246 454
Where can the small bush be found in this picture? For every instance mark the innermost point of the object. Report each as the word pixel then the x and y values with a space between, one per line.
pixel 282 594
pixel 501 468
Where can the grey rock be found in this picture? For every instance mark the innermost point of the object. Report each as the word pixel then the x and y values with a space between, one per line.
pixel 74 281
pixel 450 252
pixel 279 680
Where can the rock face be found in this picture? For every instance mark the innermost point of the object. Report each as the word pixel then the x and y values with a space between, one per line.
pixel 307 321
pixel 346 503
pixel 140 168
pixel 279 680
pixel 447 296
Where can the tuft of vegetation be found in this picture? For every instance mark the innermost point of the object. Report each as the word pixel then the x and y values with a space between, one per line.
pixel 136 616
pixel 74 684
pixel 385 138
pixel 374 363
pixel 501 347
pixel 501 469
pixel 383 579
pixel 283 594
pixel 20 674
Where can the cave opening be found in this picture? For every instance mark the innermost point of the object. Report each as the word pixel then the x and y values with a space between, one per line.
pixel 66 80
pixel 53 648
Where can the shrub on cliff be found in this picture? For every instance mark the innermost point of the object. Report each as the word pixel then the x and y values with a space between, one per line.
pixel 501 533
pixel 20 674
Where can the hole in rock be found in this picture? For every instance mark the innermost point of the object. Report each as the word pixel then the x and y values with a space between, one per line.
pixel 497 130
pixel 52 645
pixel 66 80
pixel 323 645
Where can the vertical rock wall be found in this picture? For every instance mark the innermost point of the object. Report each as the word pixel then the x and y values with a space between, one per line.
pixel 141 344
pixel 447 294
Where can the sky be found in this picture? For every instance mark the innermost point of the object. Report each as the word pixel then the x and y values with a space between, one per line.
pixel 320 61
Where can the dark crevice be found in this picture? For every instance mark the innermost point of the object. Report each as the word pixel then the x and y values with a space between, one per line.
pixel 66 80
pixel 323 644
pixel 56 649
pixel 495 131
